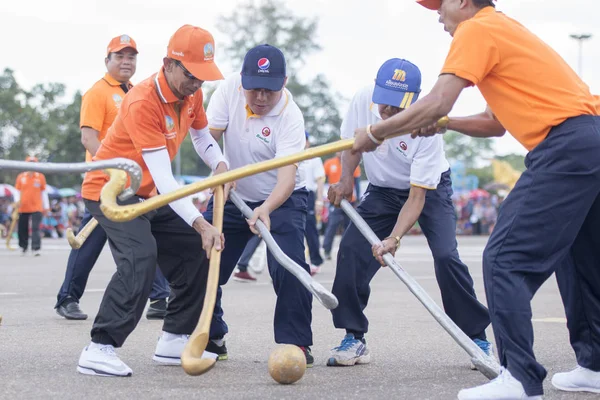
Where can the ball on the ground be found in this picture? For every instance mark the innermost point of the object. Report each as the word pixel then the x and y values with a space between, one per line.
pixel 287 363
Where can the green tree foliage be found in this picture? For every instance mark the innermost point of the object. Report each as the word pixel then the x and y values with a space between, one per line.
pixel 36 123
pixel 272 22
pixel 467 149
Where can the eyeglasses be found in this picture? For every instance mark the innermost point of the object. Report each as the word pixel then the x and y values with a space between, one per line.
pixel 186 73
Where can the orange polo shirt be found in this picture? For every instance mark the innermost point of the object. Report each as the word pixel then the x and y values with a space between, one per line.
pixel 31 185
pixel 528 86
pixel 99 106
pixel 147 120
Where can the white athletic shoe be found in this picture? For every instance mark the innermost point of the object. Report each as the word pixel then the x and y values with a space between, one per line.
pixel 170 346
pixel 101 360
pixel 350 352
pixel 504 387
pixel 578 380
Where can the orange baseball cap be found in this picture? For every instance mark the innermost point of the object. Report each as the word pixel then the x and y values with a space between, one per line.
pixel 432 4
pixel 195 48
pixel 119 43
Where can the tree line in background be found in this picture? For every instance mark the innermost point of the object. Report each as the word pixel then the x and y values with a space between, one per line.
pixel 38 122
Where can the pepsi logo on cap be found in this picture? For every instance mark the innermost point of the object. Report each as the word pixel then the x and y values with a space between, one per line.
pixel 264 63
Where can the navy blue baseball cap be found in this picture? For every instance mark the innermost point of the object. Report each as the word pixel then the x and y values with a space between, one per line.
pixel 398 83
pixel 263 68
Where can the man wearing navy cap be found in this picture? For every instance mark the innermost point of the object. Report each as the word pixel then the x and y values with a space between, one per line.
pixel 409 181
pixel 258 120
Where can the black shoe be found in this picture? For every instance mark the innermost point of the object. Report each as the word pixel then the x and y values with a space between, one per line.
pixel 157 309
pixel 71 310
pixel 309 357
pixel 328 255
pixel 220 351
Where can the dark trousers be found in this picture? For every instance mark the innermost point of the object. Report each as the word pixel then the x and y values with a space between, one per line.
pixel 23 230
pixel 82 260
pixel 249 250
pixel 549 222
pixel 162 237
pixel 356 266
pixel 336 218
pixel 293 310
pixel 312 234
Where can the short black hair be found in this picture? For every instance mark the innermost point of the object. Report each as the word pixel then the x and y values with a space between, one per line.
pixel 483 3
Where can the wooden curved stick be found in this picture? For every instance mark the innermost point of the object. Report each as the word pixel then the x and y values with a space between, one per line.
pixel 115 185
pixel 14 217
pixel 77 241
pixel 191 357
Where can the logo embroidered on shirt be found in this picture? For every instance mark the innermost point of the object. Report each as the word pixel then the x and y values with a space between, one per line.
pixel 266 131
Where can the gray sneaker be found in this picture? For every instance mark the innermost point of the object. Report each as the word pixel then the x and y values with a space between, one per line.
pixel 350 352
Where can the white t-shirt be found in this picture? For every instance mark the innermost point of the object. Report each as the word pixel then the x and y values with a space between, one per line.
pixel 401 161
pixel 249 138
pixel 312 170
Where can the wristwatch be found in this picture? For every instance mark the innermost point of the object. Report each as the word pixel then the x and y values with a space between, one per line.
pixel 396 238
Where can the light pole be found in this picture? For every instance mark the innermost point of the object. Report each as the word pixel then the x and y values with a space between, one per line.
pixel 580 38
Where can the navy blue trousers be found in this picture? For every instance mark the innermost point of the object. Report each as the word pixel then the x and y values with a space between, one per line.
pixel 549 222
pixel 312 234
pixel 356 266
pixel 82 260
pixel 293 310
pixel 336 218
pixel 249 250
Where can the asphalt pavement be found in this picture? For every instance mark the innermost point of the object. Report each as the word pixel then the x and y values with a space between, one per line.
pixel 412 356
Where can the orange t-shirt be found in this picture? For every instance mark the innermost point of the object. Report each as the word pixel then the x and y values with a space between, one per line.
pixel 31 185
pixel 528 86
pixel 99 106
pixel 333 170
pixel 147 120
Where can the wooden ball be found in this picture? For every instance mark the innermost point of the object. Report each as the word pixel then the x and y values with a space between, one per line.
pixel 287 363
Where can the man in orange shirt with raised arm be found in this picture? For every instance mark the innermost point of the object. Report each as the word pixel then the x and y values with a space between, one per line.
pixel 552 216
pixel 33 201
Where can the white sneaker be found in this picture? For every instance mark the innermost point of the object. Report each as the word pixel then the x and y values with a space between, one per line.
pixel 101 360
pixel 504 387
pixel 170 346
pixel 579 380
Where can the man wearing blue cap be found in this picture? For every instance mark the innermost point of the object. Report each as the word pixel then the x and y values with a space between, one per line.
pixel 409 181
pixel 258 120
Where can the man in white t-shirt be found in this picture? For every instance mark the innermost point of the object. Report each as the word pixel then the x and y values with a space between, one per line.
pixel 409 180
pixel 258 120
pixel 314 175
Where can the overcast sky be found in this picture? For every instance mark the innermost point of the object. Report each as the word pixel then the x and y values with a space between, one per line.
pixel 65 40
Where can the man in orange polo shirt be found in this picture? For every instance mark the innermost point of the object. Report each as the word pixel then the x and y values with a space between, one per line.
pixel 552 216
pixel 99 107
pixel 152 122
pixel 33 201
pixel 333 171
